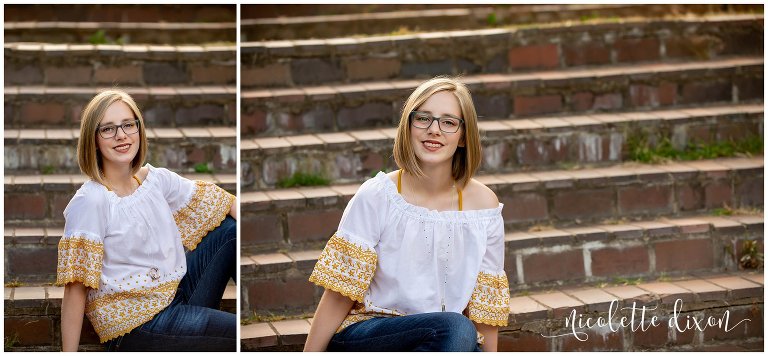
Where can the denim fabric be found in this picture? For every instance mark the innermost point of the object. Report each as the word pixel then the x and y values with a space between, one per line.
pixel 444 331
pixel 192 322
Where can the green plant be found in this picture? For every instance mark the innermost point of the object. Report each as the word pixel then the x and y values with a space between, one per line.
pixel 639 149
pixel 47 170
pixel 13 284
pixel 100 37
pixel 203 168
pixel 622 281
pixel 492 20
pixel 751 257
pixel 300 179
pixel 11 341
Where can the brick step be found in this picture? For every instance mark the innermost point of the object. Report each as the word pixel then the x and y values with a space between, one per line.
pixel 54 151
pixel 121 32
pixel 647 249
pixel 304 217
pixel 120 12
pixel 267 22
pixel 39 200
pixel 500 50
pixel 143 65
pixel 534 316
pixel 33 319
pixel 508 145
pixel 332 108
pixel 38 107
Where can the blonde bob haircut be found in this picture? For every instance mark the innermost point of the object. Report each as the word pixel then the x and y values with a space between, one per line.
pixel 466 159
pixel 88 155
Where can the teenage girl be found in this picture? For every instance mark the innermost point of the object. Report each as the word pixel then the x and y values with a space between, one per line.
pixel 417 263
pixel 122 258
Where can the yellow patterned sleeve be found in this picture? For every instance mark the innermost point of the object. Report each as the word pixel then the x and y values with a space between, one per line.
pixel 345 267
pixel 80 260
pixel 489 303
pixel 206 209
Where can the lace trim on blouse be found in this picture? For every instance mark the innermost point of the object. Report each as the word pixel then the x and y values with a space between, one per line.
pixel 206 209
pixel 489 303
pixel 345 267
pixel 80 260
pixel 117 314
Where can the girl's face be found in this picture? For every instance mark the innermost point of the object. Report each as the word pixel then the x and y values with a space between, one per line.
pixel 430 144
pixel 122 147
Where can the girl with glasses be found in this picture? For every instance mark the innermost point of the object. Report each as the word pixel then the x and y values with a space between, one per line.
pixel 122 258
pixel 417 263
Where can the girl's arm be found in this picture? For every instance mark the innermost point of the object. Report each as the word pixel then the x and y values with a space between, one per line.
pixel 233 210
pixel 491 335
pixel 72 311
pixel 331 311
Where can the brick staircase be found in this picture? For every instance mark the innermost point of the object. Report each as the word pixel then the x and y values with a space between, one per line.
pixel 567 95
pixel 178 62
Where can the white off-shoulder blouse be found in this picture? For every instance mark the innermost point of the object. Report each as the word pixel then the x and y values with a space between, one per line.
pixel 394 258
pixel 130 250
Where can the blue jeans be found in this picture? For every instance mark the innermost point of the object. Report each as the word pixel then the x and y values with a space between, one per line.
pixel 193 321
pixel 419 332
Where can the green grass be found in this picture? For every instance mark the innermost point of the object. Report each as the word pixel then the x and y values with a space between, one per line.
pixel 751 257
pixel 300 179
pixel 46 170
pixel 640 150
pixel 11 341
pixel 203 168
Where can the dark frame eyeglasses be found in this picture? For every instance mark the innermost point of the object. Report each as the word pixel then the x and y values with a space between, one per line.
pixel 423 120
pixel 110 131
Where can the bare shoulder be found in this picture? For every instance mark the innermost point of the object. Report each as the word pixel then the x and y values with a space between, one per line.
pixel 142 173
pixel 393 176
pixel 477 196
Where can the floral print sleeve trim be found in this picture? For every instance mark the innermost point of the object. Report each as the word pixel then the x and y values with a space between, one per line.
pixel 345 268
pixel 80 260
pixel 489 303
pixel 205 211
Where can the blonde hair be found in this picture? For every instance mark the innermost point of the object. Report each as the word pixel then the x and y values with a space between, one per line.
pixel 466 160
pixel 88 156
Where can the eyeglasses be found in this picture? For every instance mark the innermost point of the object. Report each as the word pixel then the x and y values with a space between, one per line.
pixel 110 131
pixel 423 120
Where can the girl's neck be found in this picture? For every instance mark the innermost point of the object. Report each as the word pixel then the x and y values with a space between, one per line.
pixel 437 179
pixel 118 176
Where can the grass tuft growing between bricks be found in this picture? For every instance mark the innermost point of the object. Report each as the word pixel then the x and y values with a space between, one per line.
pixel 203 168
pixel 640 149
pixel 14 283
pixel 728 211
pixel 300 179
pixel 11 341
pixel 751 257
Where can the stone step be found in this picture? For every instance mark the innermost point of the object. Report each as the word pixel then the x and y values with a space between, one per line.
pixel 143 65
pixel 121 32
pixel 39 200
pixel 334 108
pixel 305 217
pixel 33 319
pixel 120 12
pixel 537 260
pixel 270 22
pixel 39 107
pixel 54 151
pixel 498 50
pixel 509 146
pixel 538 321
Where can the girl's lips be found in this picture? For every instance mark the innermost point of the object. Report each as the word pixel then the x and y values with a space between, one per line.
pixel 432 145
pixel 122 148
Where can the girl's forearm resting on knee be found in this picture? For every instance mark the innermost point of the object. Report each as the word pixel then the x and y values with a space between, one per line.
pixel 491 335
pixel 331 311
pixel 72 311
pixel 233 210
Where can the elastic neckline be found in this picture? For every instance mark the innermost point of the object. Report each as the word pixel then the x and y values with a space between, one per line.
pixel 134 178
pixel 149 180
pixel 390 190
